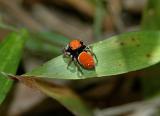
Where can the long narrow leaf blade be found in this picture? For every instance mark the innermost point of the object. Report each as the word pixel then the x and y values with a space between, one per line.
pixel 116 55
pixel 66 97
pixel 10 54
pixel 151 80
pixel 62 94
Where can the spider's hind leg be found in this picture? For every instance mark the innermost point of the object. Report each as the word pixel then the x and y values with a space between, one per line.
pixel 77 65
pixel 70 61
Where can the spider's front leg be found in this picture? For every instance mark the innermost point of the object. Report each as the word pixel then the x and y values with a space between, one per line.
pixel 70 61
pixel 77 65
pixel 74 59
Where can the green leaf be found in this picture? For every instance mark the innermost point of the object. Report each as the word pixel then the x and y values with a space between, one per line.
pixel 98 18
pixel 151 80
pixel 40 47
pixel 48 43
pixel 8 27
pixel 116 55
pixel 10 54
pixel 53 38
pixel 151 16
pixel 62 94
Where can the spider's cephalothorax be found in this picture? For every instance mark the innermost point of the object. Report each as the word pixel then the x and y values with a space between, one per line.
pixel 80 53
pixel 74 48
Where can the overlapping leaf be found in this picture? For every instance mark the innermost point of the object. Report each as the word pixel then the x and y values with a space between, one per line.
pixel 151 80
pixel 10 55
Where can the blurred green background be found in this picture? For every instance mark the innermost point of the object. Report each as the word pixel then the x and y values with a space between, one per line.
pixel 51 25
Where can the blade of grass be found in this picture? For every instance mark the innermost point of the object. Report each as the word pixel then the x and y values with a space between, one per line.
pixel 40 47
pixel 53 38
pixel 48 43
pixel 5 26
pixel 10 54
pixel 151 16
pixel 116 55
pixel 62 94
pixel 151 80
pixel 98 18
